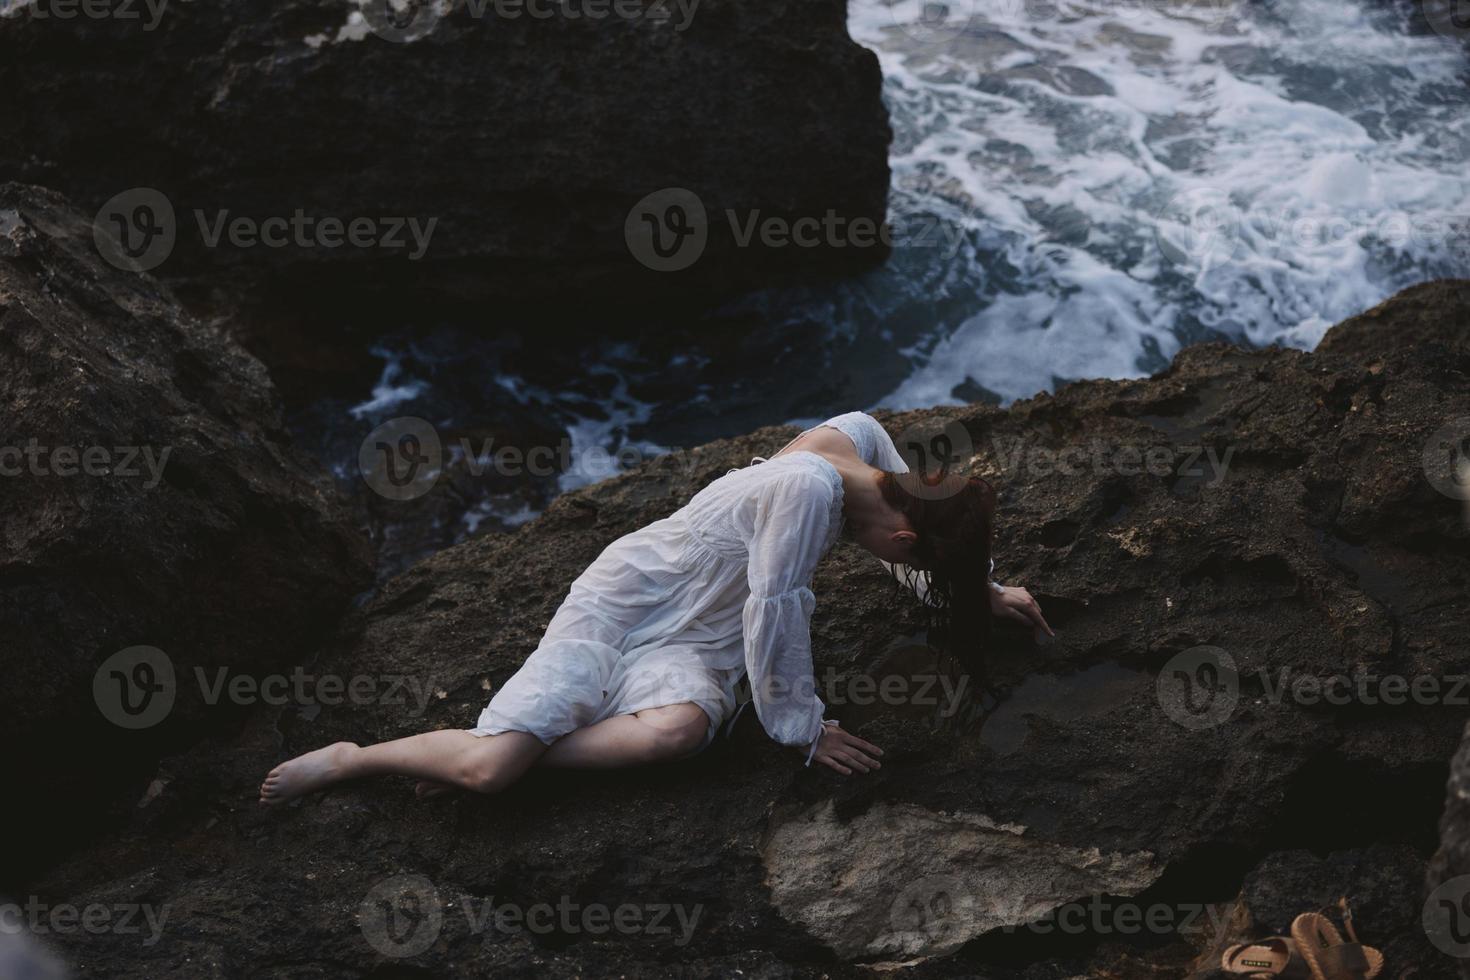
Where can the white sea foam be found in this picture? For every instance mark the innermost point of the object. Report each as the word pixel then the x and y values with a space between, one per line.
pixel 392 389
pixel 1146 174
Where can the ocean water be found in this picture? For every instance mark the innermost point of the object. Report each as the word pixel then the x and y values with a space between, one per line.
pixel 1144 174
pixel 1078 191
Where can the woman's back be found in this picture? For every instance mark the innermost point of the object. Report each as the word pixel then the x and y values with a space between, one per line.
pixel 723 514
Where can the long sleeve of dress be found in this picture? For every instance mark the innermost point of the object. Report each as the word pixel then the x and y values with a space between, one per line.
pixel 789 536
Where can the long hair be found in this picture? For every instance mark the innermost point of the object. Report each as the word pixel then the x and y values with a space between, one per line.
pixel 953 518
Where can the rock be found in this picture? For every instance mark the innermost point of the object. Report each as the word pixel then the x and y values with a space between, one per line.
pixel 964 876
pixel 1215 541
pixel 527 140
pixel 1447 905
pixel 1382 886
pixel 1431 312
pixel 151 499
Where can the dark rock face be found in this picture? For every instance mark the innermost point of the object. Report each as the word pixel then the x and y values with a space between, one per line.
pixel 150 497
pixel 1431 312
pixel 527 139
pixel 1270 507
pixel 1447 907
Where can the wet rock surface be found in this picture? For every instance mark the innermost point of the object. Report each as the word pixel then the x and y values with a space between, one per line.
pixel 1221 541
pixel 527 137
pixel 151 497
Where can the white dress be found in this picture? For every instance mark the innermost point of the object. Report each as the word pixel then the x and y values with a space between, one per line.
pixel 679 610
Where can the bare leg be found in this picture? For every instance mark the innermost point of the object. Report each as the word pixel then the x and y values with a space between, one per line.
pixel 648 736
pixel 455 758
pixel 652 735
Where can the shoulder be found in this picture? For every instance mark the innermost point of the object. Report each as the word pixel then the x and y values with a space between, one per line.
pixel 803 473
pixel 857 421
pixel 873 443
pixel 858 426
pixel 801 485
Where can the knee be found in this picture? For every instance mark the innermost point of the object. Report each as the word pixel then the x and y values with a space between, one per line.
pixel 481 773
pixel 682 736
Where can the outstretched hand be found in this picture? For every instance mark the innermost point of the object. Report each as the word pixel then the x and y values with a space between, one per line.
pixel 1017 604
pixel 845 752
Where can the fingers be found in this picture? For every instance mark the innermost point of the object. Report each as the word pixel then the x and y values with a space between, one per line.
pixel 847 753
pixel 858 761
pixel 861 745
pixel 1012 612
pixel 1023 608
pixel 1034 612
pixel 848 762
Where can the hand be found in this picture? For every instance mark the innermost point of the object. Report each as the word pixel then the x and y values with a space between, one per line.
pixel 1017 604
pixel 839 750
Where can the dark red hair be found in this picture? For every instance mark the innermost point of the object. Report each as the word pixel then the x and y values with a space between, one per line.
pixel 953 517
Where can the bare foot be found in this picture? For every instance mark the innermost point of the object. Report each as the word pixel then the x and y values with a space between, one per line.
pixel 306 773
pixel 426 789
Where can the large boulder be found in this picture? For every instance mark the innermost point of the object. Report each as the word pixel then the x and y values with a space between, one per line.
pixel 1237 554
pixel 526 138
pixel 151 499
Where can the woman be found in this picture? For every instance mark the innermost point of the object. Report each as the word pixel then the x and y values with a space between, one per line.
pixel 641 661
